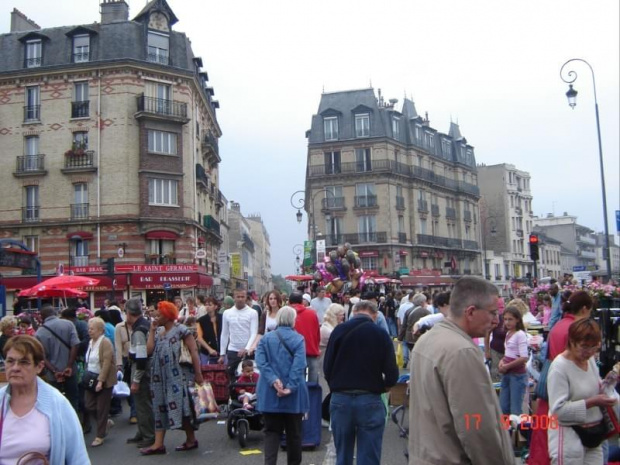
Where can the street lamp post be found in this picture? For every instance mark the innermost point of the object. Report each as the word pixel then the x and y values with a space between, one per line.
pixel 484 241
pixel 300 203
pixel 571 95
pixel 298 250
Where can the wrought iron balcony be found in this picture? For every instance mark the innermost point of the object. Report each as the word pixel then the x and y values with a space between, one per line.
pixel 34 62
pixel 79 211
pixel 161 58
pixel 157 259
pixel 332 240
pixel 80 109
pixel 451 213
pixel 30 165
pixel 212 225
pixel 367 237
pixel 402 238
pixel 470 245
pixel 365 201
pixel 467 215
pixel 32 113
pixel 30 214
pixel 423 206
pixel 78 260
pixel 435 210
pixel 400 202
pixel 427 239
pixel 201 177
pixel 210 147
pixel 76 161
pixel 163 109
pixel 220 199
pixel 333 203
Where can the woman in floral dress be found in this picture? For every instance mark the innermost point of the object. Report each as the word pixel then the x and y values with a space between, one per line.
pixel 172 405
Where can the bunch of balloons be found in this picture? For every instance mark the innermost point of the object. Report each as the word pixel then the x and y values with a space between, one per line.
pixel 341 271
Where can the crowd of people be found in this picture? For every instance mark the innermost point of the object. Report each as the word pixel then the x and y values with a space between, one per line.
pixel 455 344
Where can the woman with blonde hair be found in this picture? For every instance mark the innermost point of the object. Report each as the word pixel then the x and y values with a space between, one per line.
pixel 7 330
pixel 334 315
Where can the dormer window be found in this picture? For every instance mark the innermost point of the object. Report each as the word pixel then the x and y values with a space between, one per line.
pixel 396 127
pixel 330 127
pixel 362 125
pixel 446 147
pixel 81 48
pixel 429 140
pixel 158 48
pixel 34 55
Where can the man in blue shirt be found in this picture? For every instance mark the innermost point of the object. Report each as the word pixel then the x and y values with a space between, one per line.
pixel 556 305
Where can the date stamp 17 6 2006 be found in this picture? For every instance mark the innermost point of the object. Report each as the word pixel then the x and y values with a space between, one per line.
pixel 473 422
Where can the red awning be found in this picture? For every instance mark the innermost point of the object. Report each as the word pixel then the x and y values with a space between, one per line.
pixel 19 282
pixel 82 235
pixel 205 280
pixel 427 280
pixel 166 235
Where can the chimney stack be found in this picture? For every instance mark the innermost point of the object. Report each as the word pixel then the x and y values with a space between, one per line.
pixel 21 23
pixel 114 11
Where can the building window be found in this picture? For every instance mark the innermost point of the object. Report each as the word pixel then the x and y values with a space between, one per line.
pixel 32 161
pixel 162 142
pixel 335 198
pixel 32 243
pixel 362 125
pixel 401 224
pixel 362 160
pixel 365 195
pixel 79 253
pixel 423 226
pixel 446 147
pixel 159 251
pixel 334 232
pixel 79 208
pixel 330 126
pixel 80 104
pixel 396 127
pixel 163 192
pixel 31 204
pixel 32 110
pixel 332 162
pixel 34 55
pixel 158 47
pixel 80 140
pixel 418 132
pixel 369 263
pixel 81 48
pixel 429 141
pixel 367 229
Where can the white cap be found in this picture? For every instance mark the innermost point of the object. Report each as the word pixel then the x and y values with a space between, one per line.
pixel 307 298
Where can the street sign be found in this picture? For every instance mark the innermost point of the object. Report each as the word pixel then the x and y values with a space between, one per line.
pixel 579 268
pixel 167 286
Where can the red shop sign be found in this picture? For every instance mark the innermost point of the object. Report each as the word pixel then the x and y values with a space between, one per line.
pixel 157 280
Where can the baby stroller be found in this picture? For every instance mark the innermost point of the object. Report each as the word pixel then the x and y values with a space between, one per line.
pixel 242 420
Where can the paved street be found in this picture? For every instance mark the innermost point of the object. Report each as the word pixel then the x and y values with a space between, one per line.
pixel 216 447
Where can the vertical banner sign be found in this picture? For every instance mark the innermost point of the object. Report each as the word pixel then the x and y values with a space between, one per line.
pixel 308 255
pixel 235 260
pixel 320 250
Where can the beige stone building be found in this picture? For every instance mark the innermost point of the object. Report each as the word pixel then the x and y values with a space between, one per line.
pixel 110 138
pixel 403 194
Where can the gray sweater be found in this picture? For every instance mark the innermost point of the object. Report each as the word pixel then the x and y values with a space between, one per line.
pixel 569 387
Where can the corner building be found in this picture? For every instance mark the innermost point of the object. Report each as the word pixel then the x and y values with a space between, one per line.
pixel 403 194
pixel 109 140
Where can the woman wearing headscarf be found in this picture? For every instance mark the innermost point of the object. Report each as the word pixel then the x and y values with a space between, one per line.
pixel 170 381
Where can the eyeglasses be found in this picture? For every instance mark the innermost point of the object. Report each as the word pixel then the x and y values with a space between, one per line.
pixel 589 348
pixel 24 362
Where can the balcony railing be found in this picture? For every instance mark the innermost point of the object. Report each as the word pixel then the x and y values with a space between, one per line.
pixel 333 203
pixel 156 259
pixel 364 238
pixel 32 113
pixel 451 213
pixel 201 176
pixel 161 58
pixel 400 202
pixel 435 210
pixel 422 206
pixel 467 215
pixel 30 214
pixel 364 201
pixel 470 245
pixel 211 224
pixel 402 238
pixel 220 198
pixel 80 109
pixel 78 162
pixel 427 239
pixel 30 164
pixel 586 240
pixel 332 240
pixel 32 62
pixel 79 211
pixel 78 260
pixel 162 107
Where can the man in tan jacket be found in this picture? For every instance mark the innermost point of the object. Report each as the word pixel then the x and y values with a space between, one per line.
pixel 454 413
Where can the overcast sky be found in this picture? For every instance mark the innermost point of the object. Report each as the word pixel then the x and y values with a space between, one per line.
pixel 492 66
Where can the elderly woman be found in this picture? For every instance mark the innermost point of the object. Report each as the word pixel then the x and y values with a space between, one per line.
pixel 35 416
pixel 170 381
pixel 100 364
pixel 281 391
pixel 333 317
pixel 575 398
pixel 209 330
pixel 7 330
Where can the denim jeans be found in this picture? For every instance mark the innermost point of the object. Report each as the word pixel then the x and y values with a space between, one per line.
pixel 361 418
pixel 405 353
pixel 391 322
pixel 512 393
pixel 313 369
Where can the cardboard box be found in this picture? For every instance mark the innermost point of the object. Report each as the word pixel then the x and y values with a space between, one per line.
pixel 399 394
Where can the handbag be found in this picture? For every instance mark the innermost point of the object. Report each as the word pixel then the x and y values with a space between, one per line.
pixel 400 361
pixel 121 388
pixel 205 406
pixel 33 458
pixel 185 357
pixel 591 436
pixel 541 387
pixel 89 381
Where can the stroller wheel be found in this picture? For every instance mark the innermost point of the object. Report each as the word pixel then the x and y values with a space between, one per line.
pixel 243 429
pixel 230 427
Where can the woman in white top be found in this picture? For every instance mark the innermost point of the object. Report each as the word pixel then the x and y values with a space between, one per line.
pixel 267 320
pixel 35 416
pixel 100 361
pixel 575 400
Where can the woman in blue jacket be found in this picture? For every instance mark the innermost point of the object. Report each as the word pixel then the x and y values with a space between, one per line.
pixel 282 393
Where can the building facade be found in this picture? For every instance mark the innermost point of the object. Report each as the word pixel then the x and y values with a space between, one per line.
pixel 262 255
pixel 506 216
pixel 403 194
pixel 110 137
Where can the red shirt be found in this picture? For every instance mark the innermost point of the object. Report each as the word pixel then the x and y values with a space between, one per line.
pixel 247 379
pixel 307 324
pixel 558 337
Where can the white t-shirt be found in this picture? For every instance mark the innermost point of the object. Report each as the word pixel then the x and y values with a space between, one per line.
pixel 320 306
pixel 239 329
pixel 92 356
pixel 402 310
pixel 30 433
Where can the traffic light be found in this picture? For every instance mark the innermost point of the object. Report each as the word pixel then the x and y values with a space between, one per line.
pixel 534 247
pixel 109 267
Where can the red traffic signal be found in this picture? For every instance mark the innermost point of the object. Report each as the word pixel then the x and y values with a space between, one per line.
pixel 533 239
